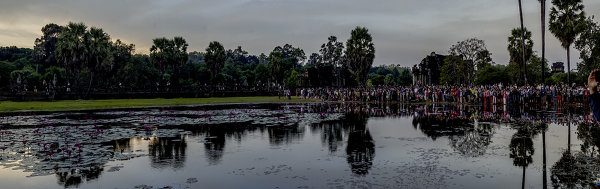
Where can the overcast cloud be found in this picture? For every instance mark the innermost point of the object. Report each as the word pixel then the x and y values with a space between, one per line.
pixel 404 31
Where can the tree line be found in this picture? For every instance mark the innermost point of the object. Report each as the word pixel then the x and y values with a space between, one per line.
pixel 87 59
pixel 470 62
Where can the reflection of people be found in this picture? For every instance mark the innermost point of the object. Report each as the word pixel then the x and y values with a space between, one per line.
pixel 594 95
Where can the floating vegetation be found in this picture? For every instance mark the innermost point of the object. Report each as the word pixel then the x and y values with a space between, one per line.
pixel 361 146
pixel 63 149
pixel 73 143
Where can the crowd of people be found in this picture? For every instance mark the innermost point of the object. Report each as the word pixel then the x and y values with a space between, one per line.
pixel 489 94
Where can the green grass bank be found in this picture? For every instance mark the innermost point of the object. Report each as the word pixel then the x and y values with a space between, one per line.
pixel 70 105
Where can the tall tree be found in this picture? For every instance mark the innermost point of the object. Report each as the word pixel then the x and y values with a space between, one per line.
pixel 588 45
pixel 71 48
pixel 121 55
pixel 276 64
pixel 543 23
pixel 261 74
pixel 313 60
pixel 535 68
pixel 567 20
pixel 360 53
pixel 168 54
pixel 523 44
pixel 160 53
pixel 520 54
pixel 474 52
pixel 292 56
pixel 239 55
pixel 45 46
pixel 332 53
pixel 452 72
pixel 215 58
pixel 99 52
pixel 180 55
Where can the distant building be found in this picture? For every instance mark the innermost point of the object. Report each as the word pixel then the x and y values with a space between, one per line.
pixel 558 67
pixel 428 71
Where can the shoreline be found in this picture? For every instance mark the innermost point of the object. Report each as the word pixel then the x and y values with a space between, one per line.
pixel 107 104
pixel 8 107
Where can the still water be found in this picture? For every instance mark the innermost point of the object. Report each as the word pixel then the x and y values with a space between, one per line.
pixel 301 146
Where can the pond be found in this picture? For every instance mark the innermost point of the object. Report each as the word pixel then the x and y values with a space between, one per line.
pixel 316 145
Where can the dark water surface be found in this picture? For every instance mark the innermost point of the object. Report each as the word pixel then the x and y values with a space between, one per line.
pixel 301 146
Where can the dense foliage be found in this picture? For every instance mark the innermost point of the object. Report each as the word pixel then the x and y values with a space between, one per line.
pixel 86 59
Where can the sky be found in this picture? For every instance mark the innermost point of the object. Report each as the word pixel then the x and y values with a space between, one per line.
pixel 403 31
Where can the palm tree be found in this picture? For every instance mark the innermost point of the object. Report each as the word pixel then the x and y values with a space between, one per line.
pixel 168 54
pixel 99 49
pixel 567 20
pixel 523 43
pixel 543 20
pixel 519 53
pixel 71 48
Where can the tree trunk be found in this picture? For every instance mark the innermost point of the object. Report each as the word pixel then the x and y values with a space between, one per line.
pixel 544 179
pixel 543 42
pixel 569 65
pixel 523 44
pixel 523 180
pixel 87 95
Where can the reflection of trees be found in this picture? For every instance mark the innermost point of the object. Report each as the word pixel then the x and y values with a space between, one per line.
pixel 122 145
pixel 590 138
pixel 465 137
pixel 438 125
pixel 361 147
pixel 75 177
pixel 279 135
pixel 216 135
pixel 569 171
pixel 332 133
pixel 582 168
pixel 167 151
pixel 214 144
pixel 521 145
pixel 544 172
pixel 473 142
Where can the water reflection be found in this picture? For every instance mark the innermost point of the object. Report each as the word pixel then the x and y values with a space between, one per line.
pixel 285 135
pixel 474 141
pixel 167 152
pixel 361 146
pixel 123 145
pixel 579 169
pixel 435 126
pixel 214 138
pixel 590 137
pixel 467 113
pixel 332 134
pixel 469 131
pixel 74 178
pixel 521 145
pixel 214 143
